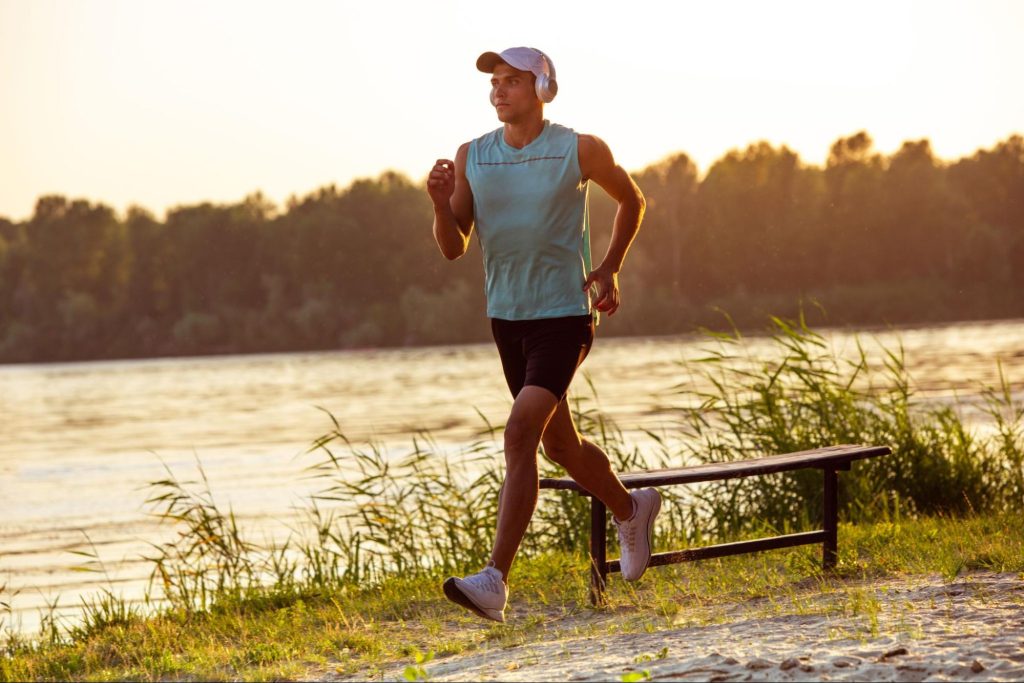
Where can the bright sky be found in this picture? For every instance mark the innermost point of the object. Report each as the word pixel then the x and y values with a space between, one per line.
pixel 161 103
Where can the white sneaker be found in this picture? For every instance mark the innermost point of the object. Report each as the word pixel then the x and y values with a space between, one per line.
pixel 484 593
pixel 635 533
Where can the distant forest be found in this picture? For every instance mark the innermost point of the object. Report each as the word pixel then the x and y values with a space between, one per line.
pixel 873 239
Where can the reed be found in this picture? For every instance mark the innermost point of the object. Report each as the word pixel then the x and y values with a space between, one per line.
pixel 209 558
pixel 805 395
pixel 99 612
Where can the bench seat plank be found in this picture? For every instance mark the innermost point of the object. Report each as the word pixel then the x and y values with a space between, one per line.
pixel 837 457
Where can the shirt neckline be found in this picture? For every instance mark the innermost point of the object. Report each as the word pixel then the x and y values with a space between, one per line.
pixel 510 148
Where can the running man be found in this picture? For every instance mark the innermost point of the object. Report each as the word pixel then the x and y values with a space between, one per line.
pixel 524 188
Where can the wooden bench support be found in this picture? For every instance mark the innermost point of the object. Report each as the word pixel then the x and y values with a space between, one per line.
pixel 829 460
pixel 598 564
pixel 830 518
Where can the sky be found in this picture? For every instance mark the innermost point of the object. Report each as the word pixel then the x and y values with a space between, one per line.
pixel 165 103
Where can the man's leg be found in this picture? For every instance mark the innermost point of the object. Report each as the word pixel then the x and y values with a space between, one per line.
pixel 635 513
pixel 585 462
pixel 531 413
pixel 589 466
pixel 486 592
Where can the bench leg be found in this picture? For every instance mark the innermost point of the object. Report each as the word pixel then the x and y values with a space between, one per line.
pixel 831 518
pixel 598 559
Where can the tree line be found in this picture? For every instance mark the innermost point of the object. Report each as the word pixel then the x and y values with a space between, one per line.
pixel 872 238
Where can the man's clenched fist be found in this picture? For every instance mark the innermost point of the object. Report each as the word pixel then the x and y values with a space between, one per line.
pixel 441 182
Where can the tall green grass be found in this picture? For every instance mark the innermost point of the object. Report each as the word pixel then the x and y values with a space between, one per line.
pixel 805 395
pixel 428 511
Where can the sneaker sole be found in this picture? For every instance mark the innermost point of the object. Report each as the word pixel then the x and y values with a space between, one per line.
pixel 453 593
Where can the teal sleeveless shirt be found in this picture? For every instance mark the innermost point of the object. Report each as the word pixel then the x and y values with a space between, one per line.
pixel 530 210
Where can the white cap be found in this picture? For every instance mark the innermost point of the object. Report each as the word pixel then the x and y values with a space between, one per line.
pixel 522 58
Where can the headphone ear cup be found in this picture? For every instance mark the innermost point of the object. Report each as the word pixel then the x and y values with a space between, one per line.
pixel 547 88
pixel 540 84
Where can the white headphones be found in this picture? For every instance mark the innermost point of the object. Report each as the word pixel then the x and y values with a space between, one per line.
pixel 547 86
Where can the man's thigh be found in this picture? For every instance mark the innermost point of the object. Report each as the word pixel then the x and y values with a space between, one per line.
pixel 543 353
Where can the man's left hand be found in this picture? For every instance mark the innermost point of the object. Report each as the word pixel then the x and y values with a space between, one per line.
pixel 606 298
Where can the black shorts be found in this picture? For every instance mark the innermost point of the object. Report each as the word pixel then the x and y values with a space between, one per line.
pixel 544 352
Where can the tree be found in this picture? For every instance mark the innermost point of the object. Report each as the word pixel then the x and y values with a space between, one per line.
pixel 758 208
pixel 672 240
pixel 850 217
pixel 992 183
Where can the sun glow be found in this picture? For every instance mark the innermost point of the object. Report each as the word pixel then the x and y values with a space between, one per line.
pixel 163 103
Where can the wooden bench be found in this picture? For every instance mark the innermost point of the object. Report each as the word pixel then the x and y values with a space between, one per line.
pixel 829 460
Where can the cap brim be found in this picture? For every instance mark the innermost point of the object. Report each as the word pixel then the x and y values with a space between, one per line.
pixel 487 61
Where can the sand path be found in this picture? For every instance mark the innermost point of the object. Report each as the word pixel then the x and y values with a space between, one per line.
pixel 908 629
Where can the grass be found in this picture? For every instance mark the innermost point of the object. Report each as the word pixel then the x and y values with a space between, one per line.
pixel 355 588
pixel 363 632
pixel 804 394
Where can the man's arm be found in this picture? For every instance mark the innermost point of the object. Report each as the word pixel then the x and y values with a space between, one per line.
pixel 453 204
pixel 597 164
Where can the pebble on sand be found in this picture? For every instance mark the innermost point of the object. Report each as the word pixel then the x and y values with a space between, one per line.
pixel 844 662
pixel 758 663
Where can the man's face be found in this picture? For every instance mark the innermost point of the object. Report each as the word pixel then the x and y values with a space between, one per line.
pixel 513 94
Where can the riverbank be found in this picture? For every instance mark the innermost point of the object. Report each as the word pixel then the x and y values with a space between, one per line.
pixel 948 591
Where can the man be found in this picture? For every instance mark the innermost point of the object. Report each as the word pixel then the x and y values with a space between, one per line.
pixel 524 188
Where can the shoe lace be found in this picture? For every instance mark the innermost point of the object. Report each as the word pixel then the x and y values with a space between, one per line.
pixel 627 536
pixel 486 580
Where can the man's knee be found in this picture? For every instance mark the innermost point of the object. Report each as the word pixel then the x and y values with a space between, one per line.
pixel 521 437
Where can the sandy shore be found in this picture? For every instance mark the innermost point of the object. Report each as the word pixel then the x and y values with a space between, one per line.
pixel 910 629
